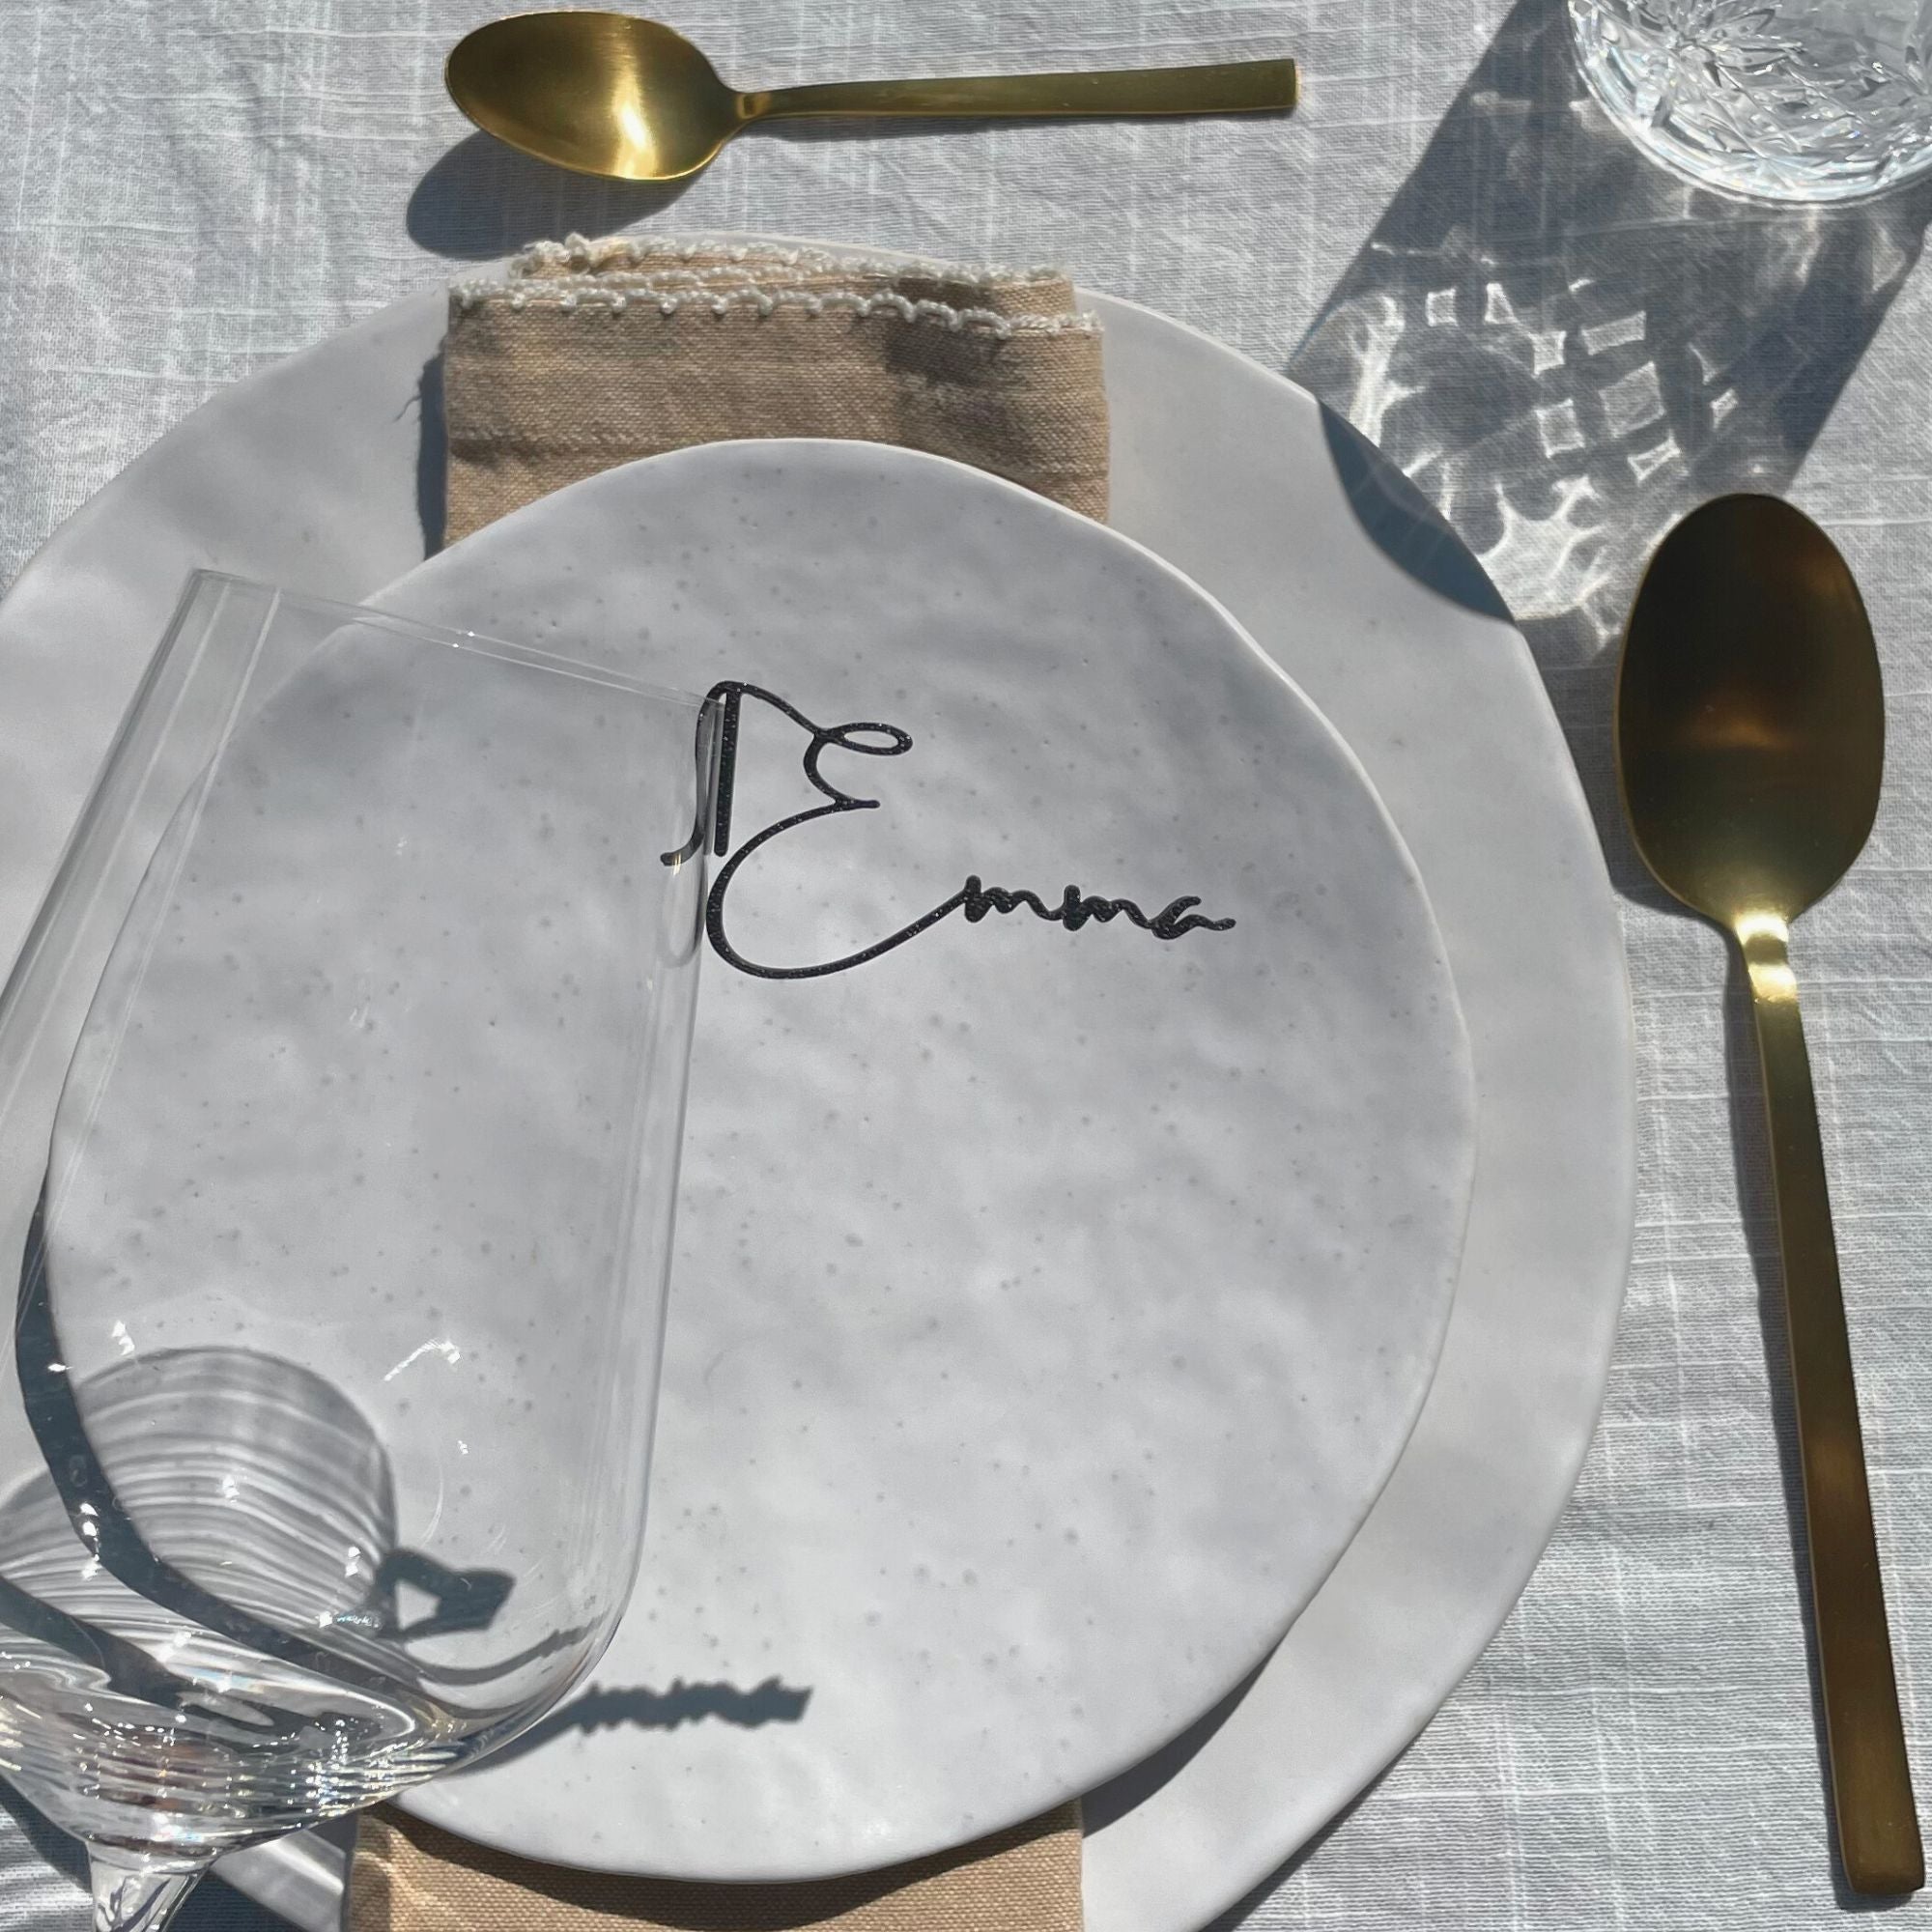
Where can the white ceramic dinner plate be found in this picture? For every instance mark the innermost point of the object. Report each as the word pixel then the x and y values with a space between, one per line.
pixel 312 474
pixel 1054 1290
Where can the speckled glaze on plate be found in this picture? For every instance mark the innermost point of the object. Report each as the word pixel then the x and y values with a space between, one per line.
pixel 313 474
pixel 1049 1305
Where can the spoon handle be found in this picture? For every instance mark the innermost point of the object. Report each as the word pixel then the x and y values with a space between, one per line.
pixel 1871 1780
pixel 1238 87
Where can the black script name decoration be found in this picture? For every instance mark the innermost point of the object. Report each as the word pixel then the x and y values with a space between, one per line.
pixel 1073 910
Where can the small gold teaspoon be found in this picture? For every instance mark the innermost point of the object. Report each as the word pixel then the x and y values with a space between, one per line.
pixel 610 93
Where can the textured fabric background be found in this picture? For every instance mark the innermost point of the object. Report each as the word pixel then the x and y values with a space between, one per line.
pixel 1566 349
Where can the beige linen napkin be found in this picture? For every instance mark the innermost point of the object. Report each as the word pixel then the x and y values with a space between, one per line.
pixel 592 353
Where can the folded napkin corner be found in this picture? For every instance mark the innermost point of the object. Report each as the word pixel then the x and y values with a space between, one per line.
pixel 592 353
pixel 413 1877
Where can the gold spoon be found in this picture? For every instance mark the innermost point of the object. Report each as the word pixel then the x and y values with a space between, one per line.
pixel 608 94
pixel 1751 744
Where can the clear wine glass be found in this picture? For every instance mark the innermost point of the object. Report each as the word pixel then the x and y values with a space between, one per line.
pixel 341 1086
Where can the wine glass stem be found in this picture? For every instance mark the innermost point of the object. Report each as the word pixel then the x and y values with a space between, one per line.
pixel 133 1895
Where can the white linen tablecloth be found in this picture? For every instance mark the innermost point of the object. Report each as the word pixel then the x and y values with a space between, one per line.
pixel 1566 349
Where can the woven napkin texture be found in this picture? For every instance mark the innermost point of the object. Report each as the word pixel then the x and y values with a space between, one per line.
pixel 411 1877
pixel 592 353
pixel 596 353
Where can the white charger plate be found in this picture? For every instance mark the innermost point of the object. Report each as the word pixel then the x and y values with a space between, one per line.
pixel 310 474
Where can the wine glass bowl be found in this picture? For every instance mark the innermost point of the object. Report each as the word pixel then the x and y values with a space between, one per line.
pixel 343 1079
pixel 270 1491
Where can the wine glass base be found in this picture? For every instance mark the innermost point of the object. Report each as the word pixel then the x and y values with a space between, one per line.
pixel 134 1895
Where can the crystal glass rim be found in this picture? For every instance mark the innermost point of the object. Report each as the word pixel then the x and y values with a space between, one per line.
pixel 478 642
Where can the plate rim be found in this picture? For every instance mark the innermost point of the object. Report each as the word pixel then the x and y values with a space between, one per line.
pixel 1266 1855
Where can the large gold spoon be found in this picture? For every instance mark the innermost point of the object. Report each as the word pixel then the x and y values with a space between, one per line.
pixel 608 94
pixel 1751 742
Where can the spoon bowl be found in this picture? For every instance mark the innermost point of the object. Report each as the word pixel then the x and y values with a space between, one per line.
pixel 1750 721
pixel 1751 748
pixel 601 94
pixel 612 95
